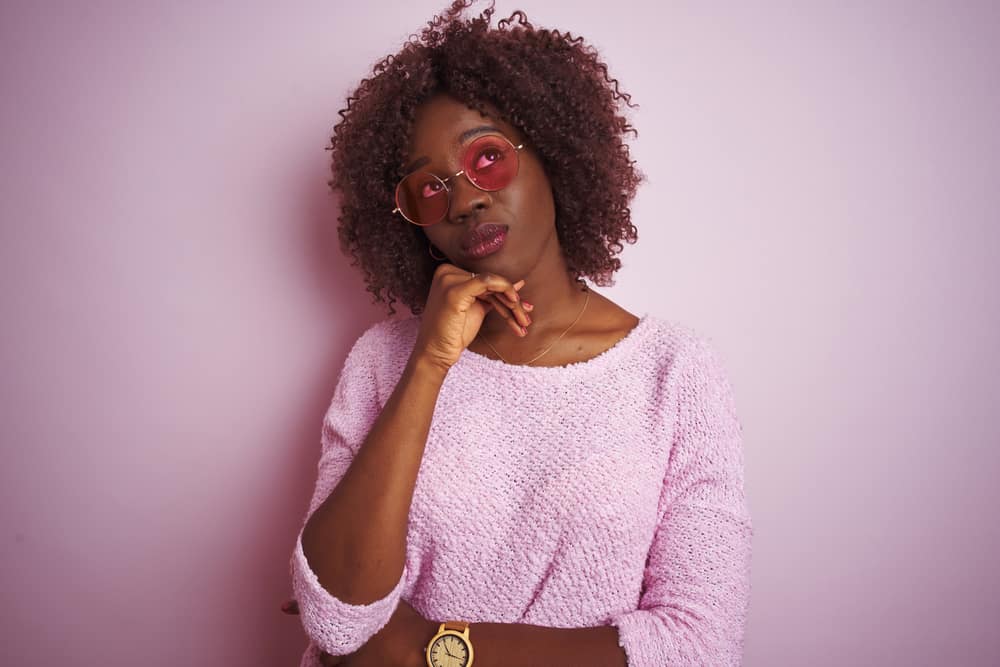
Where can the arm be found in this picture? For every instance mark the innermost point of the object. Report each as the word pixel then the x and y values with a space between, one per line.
pixel 496 644
pixel 348 566
pixel 350 560
pixel 692 610
pixel 356 540
pixel 506 644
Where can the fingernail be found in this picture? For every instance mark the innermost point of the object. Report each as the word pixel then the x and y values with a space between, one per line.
pixel 527 305
pixel 524 332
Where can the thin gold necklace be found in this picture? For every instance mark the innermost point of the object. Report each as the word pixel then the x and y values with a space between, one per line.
pixel 586 301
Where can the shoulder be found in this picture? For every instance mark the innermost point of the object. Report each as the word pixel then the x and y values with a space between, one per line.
pixel 386 335
pixel 700 370
pixel 376 358
pixel 383 348
pixel 681 349
pixel 660 342
pixel 685 339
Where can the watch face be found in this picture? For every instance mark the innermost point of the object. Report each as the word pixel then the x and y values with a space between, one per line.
pixel 449 651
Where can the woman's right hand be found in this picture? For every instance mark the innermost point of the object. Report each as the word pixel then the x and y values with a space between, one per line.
pixel 456 306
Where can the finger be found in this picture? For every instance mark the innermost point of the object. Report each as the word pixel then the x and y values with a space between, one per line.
pixel 452 273
pixel 491 286
pixel 506 313
pixel 481 284
pixel 518 309
pixel 495 303
pixel 511 292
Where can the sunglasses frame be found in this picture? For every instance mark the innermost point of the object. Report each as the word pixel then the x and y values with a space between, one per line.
pixel 444 181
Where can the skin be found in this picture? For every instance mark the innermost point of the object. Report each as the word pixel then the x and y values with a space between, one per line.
pixel 355 541
pixel 531 253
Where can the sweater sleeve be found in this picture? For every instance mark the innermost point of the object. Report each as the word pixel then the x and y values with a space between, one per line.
pixel 694 600
pixel 333 625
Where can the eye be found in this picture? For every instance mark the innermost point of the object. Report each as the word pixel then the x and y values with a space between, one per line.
pixel 488 157
pixel 430 189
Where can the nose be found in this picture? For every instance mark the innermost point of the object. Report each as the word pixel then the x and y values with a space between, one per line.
pixel 467 200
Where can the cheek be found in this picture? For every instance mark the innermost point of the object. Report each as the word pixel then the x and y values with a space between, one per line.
pixel 534 198
pixel 435 236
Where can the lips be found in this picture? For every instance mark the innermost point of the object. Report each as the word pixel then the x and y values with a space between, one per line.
pixel 481 234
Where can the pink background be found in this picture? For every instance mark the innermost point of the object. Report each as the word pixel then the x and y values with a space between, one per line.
pixel 822 202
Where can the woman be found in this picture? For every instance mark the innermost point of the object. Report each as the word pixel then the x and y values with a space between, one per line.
pixel 523 472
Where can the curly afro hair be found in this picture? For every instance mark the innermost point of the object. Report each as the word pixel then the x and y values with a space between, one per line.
pixel 549 85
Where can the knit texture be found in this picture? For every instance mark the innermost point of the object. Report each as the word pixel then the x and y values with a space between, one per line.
pixel 605 492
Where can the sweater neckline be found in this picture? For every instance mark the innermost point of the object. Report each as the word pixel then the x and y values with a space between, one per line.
pixel 596 364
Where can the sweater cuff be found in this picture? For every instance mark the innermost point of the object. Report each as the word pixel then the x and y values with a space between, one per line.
pixel 649 641
pixel 642 635
pixel 631 635
pixel 335 626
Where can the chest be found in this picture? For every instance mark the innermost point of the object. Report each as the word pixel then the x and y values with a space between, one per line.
pixel 542 462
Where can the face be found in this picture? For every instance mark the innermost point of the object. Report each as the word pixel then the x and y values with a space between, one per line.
pixel 443 128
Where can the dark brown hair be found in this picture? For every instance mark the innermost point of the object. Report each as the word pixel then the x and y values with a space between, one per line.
pixel 550 85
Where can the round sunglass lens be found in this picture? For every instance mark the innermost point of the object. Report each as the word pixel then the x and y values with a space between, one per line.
pixel 491 162
pixel 422 198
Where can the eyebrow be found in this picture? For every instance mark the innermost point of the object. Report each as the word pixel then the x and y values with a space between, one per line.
pixel 471 132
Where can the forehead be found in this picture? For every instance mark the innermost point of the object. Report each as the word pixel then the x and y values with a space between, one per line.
pixel 441 121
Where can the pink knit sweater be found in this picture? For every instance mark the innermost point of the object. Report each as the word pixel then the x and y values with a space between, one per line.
pixel 605 492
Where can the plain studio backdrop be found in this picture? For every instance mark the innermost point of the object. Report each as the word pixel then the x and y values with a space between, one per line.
pixel 822 203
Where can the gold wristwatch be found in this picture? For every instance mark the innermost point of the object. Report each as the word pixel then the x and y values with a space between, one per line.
pixel 450 647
